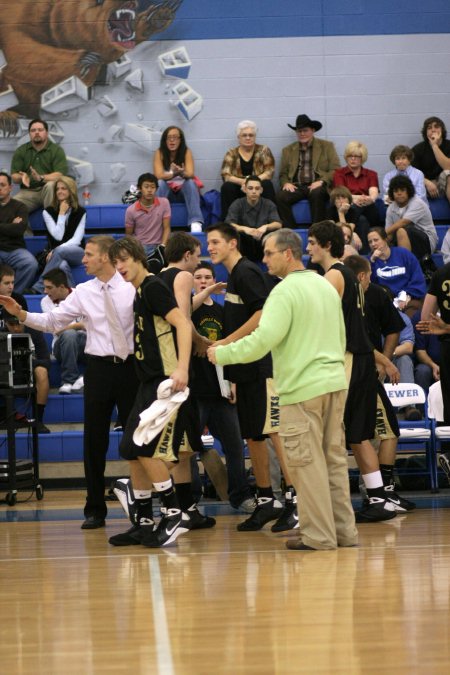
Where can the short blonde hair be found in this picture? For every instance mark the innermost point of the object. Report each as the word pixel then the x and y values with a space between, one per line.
pixel 356 148
pixel 73 192
pixel 246 124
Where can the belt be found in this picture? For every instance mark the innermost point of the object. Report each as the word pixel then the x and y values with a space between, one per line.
pixel 109 359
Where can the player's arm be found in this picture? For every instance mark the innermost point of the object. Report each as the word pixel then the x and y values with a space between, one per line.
pixel 246 328
pixel 336 279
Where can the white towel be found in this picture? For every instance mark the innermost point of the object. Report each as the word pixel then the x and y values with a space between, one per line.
pixel 155 417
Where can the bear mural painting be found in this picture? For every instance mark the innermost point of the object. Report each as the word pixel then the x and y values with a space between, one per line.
pixel 73 40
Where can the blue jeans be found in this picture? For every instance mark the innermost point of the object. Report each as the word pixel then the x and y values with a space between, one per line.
pixel 25 267
pixel 406 367
pixel 221 418
pixel 191 196
pixel 69 350
pixel 64 257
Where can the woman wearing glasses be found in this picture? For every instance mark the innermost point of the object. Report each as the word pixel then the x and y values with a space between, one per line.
pixel 247 159
pixel 363 185
pixel 173 165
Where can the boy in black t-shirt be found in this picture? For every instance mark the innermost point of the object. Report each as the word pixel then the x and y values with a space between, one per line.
pixel 162 340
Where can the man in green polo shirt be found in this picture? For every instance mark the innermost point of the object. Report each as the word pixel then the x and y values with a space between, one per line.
pixel 36 166
pixel 302 325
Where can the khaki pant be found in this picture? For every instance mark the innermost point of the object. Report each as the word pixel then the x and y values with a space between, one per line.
pixel 312 434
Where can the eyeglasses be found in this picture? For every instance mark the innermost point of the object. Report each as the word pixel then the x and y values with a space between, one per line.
pixel 247 135
pixel 173 138
pixel 354 156
pixel 269 254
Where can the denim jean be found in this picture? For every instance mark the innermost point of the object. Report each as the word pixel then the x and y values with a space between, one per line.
pixel 221 418
pixel 63 257
pixel 24 264
pixel 191 196
pixel 69 350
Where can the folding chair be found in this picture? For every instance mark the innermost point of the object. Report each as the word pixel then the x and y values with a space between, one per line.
pixel 415 437
pixel 436 414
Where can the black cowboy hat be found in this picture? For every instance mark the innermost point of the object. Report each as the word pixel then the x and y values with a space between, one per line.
pixel 304 121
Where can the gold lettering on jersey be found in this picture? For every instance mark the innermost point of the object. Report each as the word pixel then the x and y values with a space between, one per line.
pixel 446 290
pixel 139 354
pixel 360 299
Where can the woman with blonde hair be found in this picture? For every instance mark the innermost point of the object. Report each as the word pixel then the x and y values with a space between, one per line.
pixel 363 185
pixel 65 221
pixel 249 158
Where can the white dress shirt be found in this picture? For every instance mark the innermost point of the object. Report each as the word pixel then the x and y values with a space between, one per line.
pixel 87 299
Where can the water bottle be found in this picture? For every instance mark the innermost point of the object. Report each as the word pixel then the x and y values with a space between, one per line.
pixel 86 196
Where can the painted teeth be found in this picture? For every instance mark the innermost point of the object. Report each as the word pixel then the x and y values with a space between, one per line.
pixel 127 12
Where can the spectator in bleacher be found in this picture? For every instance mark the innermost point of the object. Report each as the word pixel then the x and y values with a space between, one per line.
pixel 363 185
pixel 253 217
pixel 428 356
pixel 7 288
pixel 110 376
pixel 40 364
pixel 249 158
pixel 36 165
pixel 69 343
pixel 306 171
pixel 402 156
pixel 173 165
pixel 148 219
pixel 409 222
pixel 432 157
pixel 397 268
pixel 13 224
pixel 65 221
pixel 344 214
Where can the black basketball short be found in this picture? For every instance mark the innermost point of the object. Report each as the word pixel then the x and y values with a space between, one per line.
pixel 181 432
pixel 361 406
pixel 258 409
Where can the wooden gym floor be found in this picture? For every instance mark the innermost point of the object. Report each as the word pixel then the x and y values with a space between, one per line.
pixel 220 601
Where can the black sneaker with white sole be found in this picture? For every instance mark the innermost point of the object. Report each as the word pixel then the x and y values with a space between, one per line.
pixel 170 527
pixel 444 463
pixel 288 519
pixel 197 521
pixel 263 514
pixel 376 510
pixel 133 536
pixel 400 503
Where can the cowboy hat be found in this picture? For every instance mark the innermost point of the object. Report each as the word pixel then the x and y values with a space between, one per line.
pixel 304 121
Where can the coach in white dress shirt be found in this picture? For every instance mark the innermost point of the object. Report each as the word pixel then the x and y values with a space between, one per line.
pixel 109 379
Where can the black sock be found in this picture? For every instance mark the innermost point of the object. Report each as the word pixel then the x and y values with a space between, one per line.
pixel 185 495
pixel 387 474
pixel 40 409
pixel 144 511
pixel 265 492
pixel 376 492
pixel 168 497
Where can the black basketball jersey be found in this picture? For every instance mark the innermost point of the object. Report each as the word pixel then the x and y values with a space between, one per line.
pixel 154 338
pixel 353 308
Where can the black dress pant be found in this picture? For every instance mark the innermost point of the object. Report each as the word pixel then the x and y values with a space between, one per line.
pixel 318 199
pixel 106 384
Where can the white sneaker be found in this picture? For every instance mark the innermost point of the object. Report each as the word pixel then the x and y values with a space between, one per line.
pixel 65 388
pixel 78 385
pixel 196 227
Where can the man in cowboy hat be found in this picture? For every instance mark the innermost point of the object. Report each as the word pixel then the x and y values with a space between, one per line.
pixel 306 171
